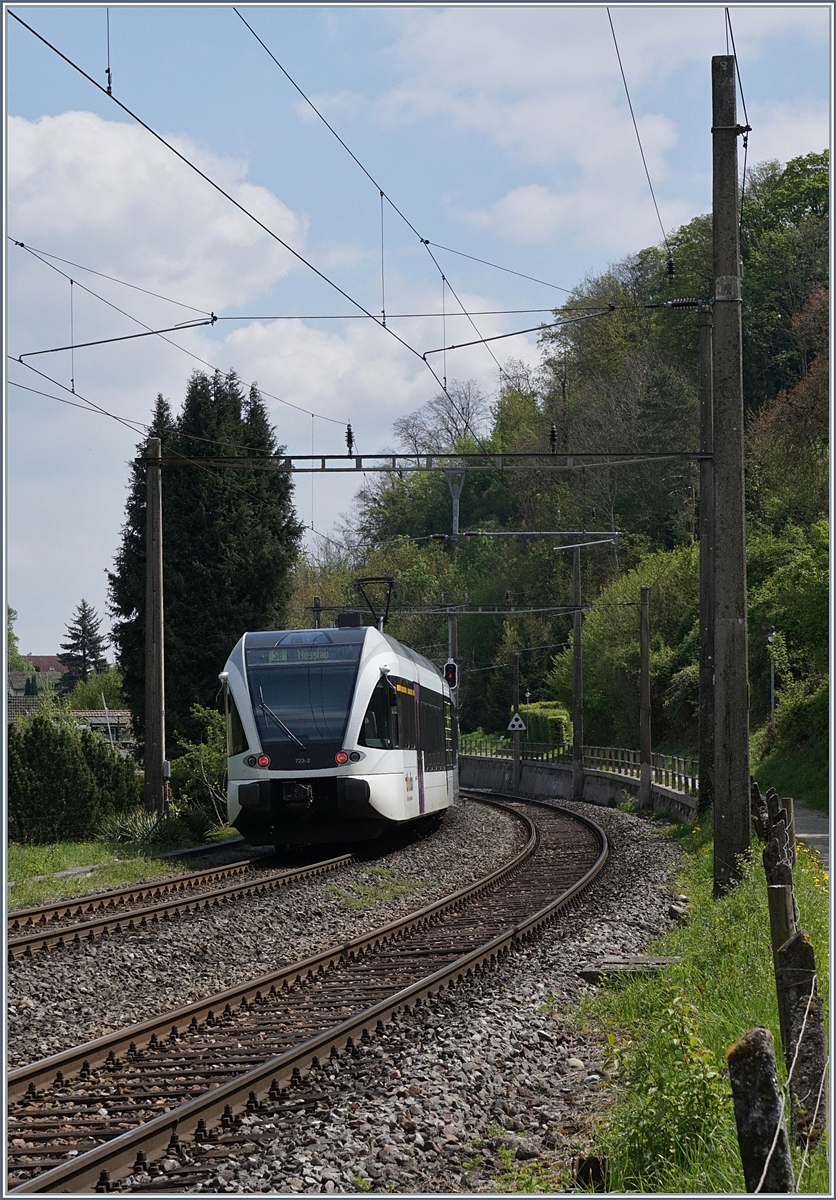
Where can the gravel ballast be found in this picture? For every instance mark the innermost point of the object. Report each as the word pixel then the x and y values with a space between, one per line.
pixel 477 1090
pixel 68 996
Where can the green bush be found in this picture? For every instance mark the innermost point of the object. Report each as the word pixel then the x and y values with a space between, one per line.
pixel 64 779
pixel 547 721
pixel 182 826
pixel 678 1096
pixel 88 693
pixel 671 1127
pixel 198 774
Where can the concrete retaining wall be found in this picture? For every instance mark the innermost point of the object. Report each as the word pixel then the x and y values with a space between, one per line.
pixel 554 780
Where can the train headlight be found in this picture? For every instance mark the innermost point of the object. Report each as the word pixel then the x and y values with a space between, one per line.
pixel 341 757
pixel 263 760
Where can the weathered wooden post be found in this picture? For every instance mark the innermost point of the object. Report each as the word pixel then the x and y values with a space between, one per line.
pixel 805 1049
pixel 758 1113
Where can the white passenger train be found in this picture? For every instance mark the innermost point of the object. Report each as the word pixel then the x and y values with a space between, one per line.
pixel 335 735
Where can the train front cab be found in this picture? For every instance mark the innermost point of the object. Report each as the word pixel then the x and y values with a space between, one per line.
pixel 335 747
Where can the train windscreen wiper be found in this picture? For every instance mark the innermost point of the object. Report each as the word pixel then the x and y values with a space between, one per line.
pixel 268 712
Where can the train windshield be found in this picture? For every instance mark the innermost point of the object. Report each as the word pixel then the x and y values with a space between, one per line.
pixel 301 693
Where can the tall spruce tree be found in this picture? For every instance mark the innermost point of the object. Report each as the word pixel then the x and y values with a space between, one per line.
pixel 84 648
pixel 230 538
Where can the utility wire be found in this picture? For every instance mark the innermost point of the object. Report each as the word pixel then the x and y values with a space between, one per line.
pixel 486 312
pixel 37 254
pixel 109 76
pixel 638 137
pixel 372 179
pixel 517 332
pixel 193 166
pixel 125 337
pixel 86 407
pixel 34 250
pixel 424 241
pixel 94 407
pixel 736 65
pixel 497 267
pixel 247 213
pixel 747 129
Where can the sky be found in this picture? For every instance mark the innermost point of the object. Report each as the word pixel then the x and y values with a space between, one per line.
pixel 500 132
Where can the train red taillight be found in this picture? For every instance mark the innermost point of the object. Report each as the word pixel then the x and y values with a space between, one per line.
pixel 341 757
pixel 263 760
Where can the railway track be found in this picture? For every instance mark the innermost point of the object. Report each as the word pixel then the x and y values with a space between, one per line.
pixel 90 1117
pixel 141 905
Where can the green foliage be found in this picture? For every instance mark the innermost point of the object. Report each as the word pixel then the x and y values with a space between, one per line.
pixel 626 380
pixel 198 774
pixel 672 1125
pixel 230 538
pixel 63 780
pixel 84 647
pixel 383 885
pixel 87 693
pixel 16 660
pixel 612 659
pixel 181 826
pixel 676 1098
pixel 524 1178
pixel 803 774
pixel 547 721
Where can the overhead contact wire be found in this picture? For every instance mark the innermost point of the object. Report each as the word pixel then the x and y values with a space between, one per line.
pixel 424 241
pixel 161 333
pixel 270 233
pixel 123 283
pixel 301 258
pixel 638 135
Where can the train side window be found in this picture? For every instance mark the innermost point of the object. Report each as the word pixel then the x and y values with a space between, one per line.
pixel 376 731
pixel 450 732
pixel 236 739
pixel 405 692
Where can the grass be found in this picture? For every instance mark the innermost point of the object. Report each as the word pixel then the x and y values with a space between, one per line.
pixel 804 776
pixel 118 864
pixel 671 1127
pixel 383 886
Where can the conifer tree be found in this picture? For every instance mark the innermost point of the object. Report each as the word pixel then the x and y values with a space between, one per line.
pixel 230 538
pixel 84 648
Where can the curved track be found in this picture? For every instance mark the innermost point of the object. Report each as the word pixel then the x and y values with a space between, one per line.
pixel 87 1118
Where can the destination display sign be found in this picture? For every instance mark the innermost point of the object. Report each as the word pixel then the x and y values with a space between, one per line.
pixel 268 656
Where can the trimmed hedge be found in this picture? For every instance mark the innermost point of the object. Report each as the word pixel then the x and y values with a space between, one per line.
pixel 64 779
pixel 547 721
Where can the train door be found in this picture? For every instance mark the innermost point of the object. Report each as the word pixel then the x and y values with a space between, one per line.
pixel 419 747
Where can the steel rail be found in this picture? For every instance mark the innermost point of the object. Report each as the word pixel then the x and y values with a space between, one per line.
pixel 89 1169
pixel 138 918
pixel 151 889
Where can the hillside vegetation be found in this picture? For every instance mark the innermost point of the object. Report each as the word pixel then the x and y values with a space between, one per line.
pixel 627 381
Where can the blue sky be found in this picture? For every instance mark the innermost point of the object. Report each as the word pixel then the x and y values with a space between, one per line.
pixel 502 132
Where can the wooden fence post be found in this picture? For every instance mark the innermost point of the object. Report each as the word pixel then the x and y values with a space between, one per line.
pixel 805 1053
pixel 761 1130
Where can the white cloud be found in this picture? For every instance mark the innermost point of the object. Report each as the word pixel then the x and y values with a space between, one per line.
pixel 142 214
pixel 776 133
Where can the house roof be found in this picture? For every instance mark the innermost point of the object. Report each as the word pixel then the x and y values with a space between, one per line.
pixel 120 718
pixel 19 705
pixel 17 679
pixel 47 662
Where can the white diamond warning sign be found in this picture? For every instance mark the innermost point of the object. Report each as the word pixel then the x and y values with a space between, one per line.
pixel 517 725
